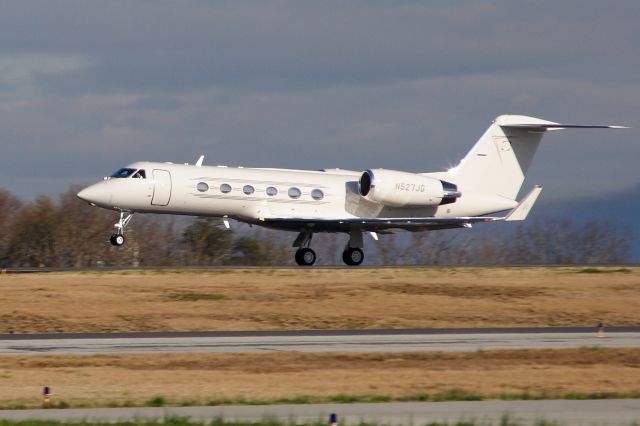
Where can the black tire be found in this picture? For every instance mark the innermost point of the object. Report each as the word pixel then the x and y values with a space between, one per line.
pixel 305 257
pixel 117 240
pixel 353 256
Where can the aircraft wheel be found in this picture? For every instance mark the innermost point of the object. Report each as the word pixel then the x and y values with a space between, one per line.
pixel 353 256
pixel 305 257
pixel 117 239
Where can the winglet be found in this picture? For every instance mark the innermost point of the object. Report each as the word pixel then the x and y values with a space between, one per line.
pixel 521 211
pixel 200 160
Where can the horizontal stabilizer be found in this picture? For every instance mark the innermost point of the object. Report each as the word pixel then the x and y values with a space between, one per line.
pixel 563 126
pixel 521 211
pixel 524 122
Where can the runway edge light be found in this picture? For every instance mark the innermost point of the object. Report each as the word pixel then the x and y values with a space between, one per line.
pixel 46 397
pixel 333 419
pixel 600 332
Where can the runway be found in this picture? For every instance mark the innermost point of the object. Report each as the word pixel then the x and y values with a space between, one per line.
pixel 565 412
pixel 407 340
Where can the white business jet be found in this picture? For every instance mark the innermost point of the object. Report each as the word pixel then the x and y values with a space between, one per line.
pixel 486 181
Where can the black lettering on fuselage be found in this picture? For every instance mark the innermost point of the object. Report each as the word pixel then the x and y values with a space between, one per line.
pixel 410 187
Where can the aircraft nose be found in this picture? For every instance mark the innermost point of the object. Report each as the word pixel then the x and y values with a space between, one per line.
pixel 95 194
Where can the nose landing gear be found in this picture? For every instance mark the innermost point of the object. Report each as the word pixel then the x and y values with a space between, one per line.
pixel 117 239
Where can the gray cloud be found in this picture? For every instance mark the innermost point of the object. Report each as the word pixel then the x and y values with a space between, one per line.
pixel 88 86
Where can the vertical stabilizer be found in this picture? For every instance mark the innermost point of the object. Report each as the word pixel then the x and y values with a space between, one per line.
pixel 498 162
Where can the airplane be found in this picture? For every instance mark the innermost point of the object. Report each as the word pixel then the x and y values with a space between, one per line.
pixel 486 181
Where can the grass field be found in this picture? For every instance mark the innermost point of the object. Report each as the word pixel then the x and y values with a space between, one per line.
pixel 212 379
pixel 266 422
pixel 270 299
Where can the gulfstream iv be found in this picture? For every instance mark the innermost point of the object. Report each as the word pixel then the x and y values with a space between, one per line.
pixel 486 181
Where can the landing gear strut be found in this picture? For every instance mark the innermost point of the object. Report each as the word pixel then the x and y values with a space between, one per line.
pixel 305 256
pixel 117 239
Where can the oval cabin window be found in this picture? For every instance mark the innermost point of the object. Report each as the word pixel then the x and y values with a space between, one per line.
pixel 294 192
pixel 271 191
pixel 317 194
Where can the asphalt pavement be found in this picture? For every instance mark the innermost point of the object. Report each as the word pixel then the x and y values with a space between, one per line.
pixel 565 412
pixel 319 341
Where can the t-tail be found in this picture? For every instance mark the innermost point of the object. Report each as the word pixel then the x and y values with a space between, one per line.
pixel 498 162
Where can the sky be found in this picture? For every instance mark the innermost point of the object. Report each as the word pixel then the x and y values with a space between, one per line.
pixel 87 87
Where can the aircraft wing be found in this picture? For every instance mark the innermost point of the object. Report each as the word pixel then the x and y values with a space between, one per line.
pixel 414 224
pixel 374 224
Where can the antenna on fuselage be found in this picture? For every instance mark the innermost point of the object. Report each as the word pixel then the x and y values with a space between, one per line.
pixel 200 160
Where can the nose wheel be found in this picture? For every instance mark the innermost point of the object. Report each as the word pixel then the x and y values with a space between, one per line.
pixel 305 256
pixel 117 239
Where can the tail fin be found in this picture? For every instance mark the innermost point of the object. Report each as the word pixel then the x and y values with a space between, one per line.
pixel 498 162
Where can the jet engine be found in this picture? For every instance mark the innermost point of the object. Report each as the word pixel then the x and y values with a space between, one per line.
pixel 401 189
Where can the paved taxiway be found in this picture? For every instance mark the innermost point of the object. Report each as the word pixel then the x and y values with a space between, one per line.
pixel 319 341
pixel 589 412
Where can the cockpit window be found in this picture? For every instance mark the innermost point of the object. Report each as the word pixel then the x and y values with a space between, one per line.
pixel 123 173
pixel 140 174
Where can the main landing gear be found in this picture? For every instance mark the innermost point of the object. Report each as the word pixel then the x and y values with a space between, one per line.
pixel 352 254
pixel 305 256
pixel 117 239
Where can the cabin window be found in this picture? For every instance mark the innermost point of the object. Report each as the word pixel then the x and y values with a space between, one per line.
pixel 294 192
pixel 123 173
pixel 225 188
pixel 140 174
pixel 317 194
pixel 271 191
pixel 248 189
pixel 202 187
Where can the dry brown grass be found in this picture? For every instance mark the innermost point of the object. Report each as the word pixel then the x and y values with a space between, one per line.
pixel 268 299
pixel 201 378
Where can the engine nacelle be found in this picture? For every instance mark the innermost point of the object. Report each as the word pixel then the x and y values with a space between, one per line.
pixel 401 189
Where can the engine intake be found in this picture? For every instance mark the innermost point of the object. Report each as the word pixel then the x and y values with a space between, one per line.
pixel 401 189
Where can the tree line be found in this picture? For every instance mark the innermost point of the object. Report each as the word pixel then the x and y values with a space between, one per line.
pixel 67 232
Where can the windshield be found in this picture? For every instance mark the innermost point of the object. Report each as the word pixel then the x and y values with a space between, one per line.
pixel 123 173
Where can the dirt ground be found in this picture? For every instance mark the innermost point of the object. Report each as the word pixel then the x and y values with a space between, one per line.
pixel 214 378
pixel 269 299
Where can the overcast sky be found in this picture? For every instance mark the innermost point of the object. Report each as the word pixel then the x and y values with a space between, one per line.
pixel 87 87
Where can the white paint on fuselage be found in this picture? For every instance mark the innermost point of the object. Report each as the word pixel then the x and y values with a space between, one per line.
pixel 340 188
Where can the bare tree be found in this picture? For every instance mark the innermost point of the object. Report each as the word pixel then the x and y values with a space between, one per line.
pixel 387 249
pixel 206 242
pixel 9 206
pixel 33 237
